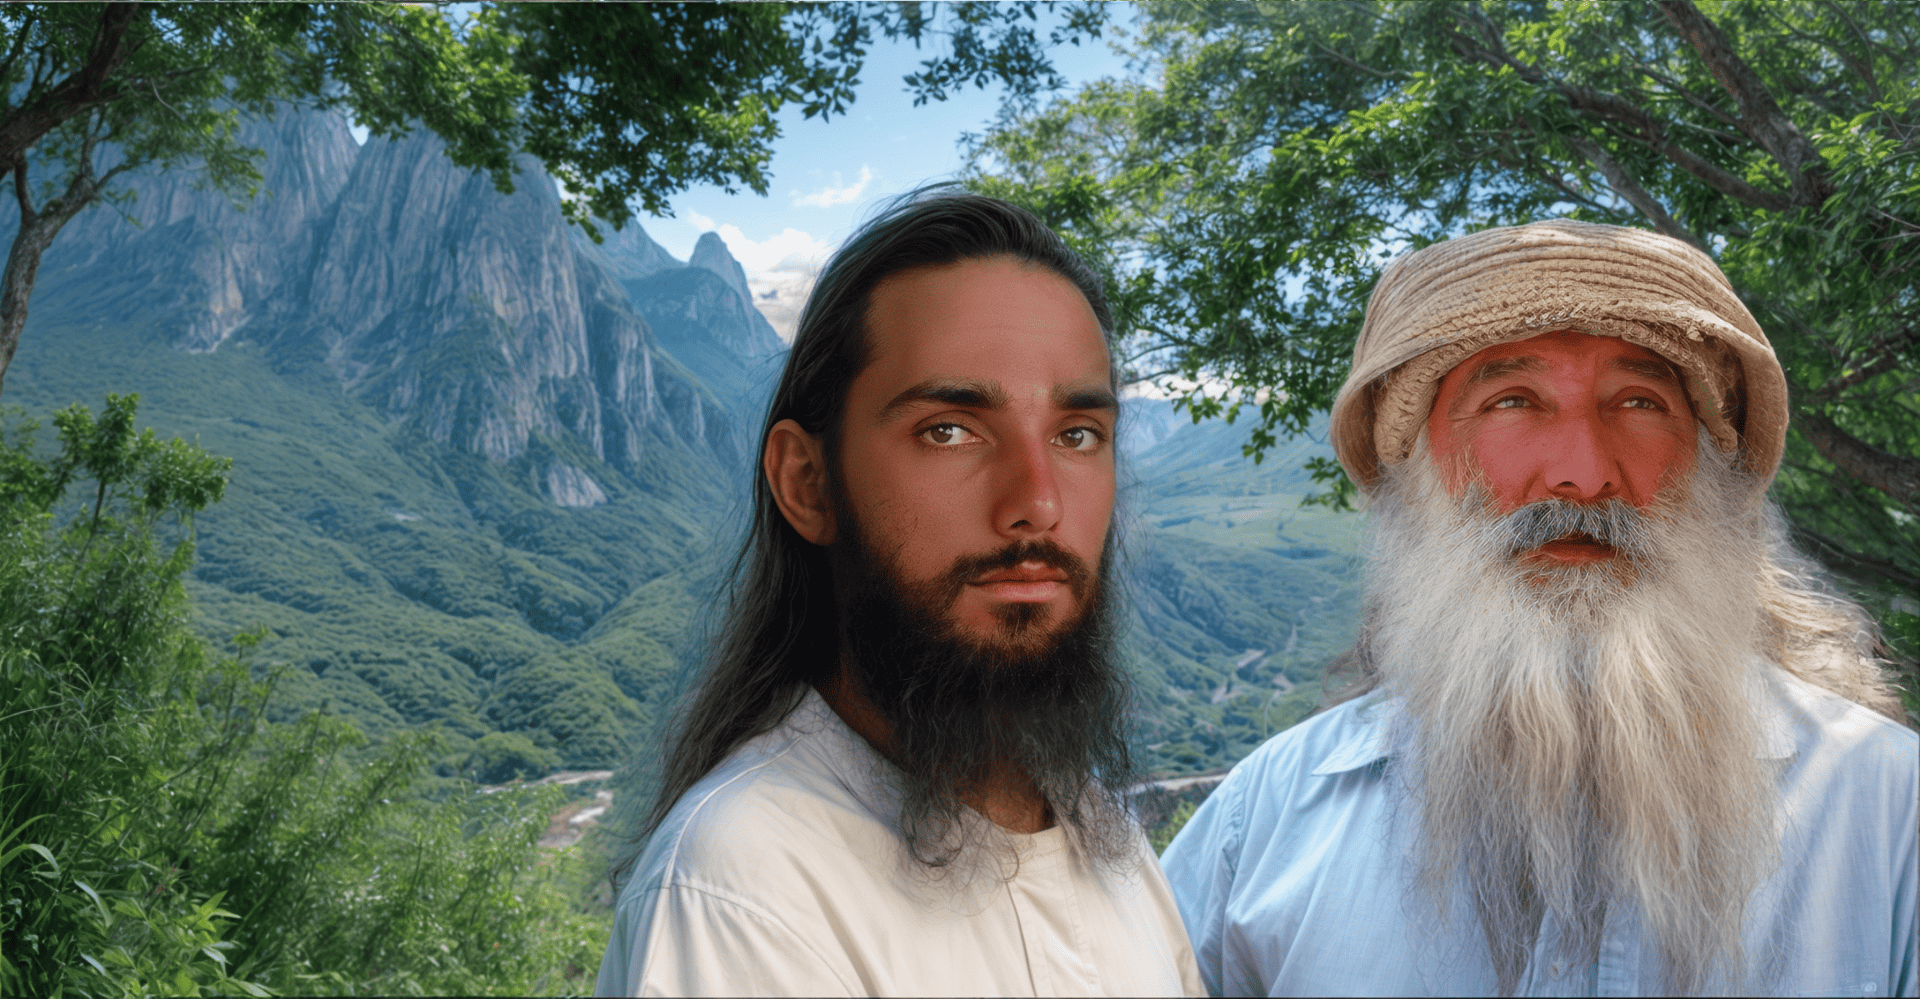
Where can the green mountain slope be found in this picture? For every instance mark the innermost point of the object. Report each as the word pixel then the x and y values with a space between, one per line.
pixel 489 486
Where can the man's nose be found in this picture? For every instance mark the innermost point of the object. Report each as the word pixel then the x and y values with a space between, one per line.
pixel 1581 464
pixel 1027 503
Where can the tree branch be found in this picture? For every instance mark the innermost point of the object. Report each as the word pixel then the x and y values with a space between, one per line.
pixel 21 194
pixel 1861 68
pixel 83 89
pixel 1624 184
pixel 1761 118
pixel 1835 551
pixel 36 233
pixel 20 36
pixel 1560 184
pixel 1691 98
pixel 1613 107
pixel 1896 475
pixel 1149 377
pixel 1352 63
pixel 1878 361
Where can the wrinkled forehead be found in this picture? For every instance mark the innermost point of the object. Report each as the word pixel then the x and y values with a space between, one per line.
pixel 1585 355
pixel 1708 375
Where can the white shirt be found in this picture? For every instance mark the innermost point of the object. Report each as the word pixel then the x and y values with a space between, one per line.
pixel 783 872
pixel 1291 876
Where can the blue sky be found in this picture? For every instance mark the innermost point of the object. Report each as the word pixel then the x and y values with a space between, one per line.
pixel 826 176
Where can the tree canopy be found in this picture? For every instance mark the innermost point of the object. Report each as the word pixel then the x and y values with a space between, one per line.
pixel 625 104
pixel 1244 191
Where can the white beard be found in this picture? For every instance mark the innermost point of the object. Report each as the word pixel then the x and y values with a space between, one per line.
pixel 1580 736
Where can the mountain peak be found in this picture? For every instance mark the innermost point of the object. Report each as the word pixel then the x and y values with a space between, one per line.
pixel 628 253
pixel 711 253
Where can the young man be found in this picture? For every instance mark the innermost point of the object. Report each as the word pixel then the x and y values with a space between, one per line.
pixel 1609 736
pixel 902 771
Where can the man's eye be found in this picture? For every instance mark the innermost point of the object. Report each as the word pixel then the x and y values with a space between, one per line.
pixel 1081 438
pixel 1641 402
pixel 946 434
pixel 1510 402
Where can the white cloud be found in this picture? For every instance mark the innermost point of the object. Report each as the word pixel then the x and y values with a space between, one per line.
pixel 699 221
pixel 788 250
pixel 780 270
pixel 827 197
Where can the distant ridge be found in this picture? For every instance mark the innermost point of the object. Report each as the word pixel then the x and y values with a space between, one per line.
pixel 184 258
pixel 486 470
pixel 483 319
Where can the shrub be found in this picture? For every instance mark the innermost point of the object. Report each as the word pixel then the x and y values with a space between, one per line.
pixel 499 757
pixel 159 835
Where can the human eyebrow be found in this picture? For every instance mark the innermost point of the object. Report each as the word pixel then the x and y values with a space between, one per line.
pixel 1657 370
pixel 1503 366
pixel 1097 397
pixel 965 393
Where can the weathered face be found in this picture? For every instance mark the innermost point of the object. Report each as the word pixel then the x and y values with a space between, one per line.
pixel 984 419
pixel 1567 416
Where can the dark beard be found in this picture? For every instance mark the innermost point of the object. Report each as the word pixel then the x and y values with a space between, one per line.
pixel 1049 705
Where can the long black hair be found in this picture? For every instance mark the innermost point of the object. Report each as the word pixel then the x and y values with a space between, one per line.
pixel 779 631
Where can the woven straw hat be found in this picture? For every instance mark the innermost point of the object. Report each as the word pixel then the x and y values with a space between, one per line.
pixel 1437 306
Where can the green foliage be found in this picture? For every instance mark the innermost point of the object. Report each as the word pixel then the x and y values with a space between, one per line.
pixel 629 104
pixel 1166 831
pixel 499 757
pixel 159 835
pixel 625 103
pixel 110 715
pixel 1240 597
pixel 394 625
pixel 1244 192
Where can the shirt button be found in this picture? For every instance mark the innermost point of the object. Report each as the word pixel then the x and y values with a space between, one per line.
pixel 1558 969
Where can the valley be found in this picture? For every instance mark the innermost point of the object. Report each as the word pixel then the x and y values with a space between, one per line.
pixel 487 473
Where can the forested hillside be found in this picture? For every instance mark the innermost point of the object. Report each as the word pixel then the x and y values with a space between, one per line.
pixel 485 470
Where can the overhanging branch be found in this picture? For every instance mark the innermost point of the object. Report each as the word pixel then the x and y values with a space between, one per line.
pixel 1896 475
pixel 1623 183
pixel 1881 359
pixel 1611 107
pixel 83 89
pixel 1760 115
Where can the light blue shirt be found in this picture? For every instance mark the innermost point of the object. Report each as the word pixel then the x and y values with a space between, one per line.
pixel 1291 877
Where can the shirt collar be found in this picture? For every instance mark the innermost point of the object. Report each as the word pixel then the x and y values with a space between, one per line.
pixel 1375 714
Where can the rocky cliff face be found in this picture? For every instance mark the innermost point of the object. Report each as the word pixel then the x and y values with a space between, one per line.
pixel 710 253
pixel 701 319
pixel 628 254
pixel 186 257
pixel 482 319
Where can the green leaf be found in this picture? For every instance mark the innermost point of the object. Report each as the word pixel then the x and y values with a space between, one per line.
pixel 83 886
pixel 7 857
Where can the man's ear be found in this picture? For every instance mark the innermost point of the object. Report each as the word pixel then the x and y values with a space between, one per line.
pixel 796 468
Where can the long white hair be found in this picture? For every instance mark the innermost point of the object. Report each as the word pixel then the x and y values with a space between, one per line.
pixel 1583 737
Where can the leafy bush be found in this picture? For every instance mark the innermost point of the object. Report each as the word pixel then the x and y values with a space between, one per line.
pixel 499 757
pixel 158 835
pixel 1163 835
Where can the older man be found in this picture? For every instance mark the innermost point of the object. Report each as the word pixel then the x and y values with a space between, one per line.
pixel 901 772
pixel 1606 735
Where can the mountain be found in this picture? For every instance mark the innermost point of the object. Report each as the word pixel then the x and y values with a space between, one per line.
pixel 713 328
pixel 479 319
pixel 182 261
pixel 628 253
pixel 486 470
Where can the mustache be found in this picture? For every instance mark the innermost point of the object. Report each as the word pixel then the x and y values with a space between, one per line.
pixel 1047 552
pixel 1614 524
